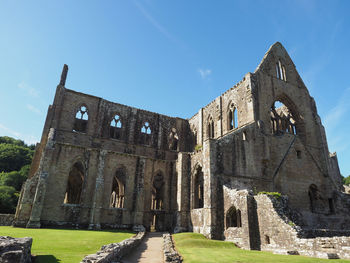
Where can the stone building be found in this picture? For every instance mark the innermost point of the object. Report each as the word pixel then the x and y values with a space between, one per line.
pixel 103 164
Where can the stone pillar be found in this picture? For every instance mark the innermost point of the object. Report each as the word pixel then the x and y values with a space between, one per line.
pixel 42 174
pixel 183 192
pixel 98 194
pixel 139 191
pixel 210 189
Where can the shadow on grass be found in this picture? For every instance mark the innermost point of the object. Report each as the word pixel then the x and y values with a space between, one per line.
pixel 46 259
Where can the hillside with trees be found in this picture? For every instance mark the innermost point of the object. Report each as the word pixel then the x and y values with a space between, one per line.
pixel 15 160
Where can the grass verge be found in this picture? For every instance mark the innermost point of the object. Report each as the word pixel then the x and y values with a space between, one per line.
pixel 63 245
pixel 195 248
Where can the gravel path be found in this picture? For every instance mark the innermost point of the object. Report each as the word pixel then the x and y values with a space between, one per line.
pixel 150 250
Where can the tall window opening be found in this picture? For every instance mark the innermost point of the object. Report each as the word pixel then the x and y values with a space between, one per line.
pixel 195 140
pixel 115 128
pixel 173 140
pixel 118 189
pixel 282 120
pixel 280 71
pixel 74 184
pixel 233 217
pixel 198 201
pixel 81 119
pixel 232 117
pixel 158 192
pixel 146 133
pixel 211 131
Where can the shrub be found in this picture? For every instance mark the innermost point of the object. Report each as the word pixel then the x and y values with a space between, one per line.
pixel 277 195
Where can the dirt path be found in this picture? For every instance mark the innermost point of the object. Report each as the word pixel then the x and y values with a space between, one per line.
pixel 150 250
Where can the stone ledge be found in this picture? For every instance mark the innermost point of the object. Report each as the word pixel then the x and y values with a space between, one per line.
pixel 114 252
pixel 15 249
pixel 169 251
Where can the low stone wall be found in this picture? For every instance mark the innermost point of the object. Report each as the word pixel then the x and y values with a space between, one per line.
pixel 280 234
pixel 114 252
pixel 15 249
pixel 6 219
pixel 169 251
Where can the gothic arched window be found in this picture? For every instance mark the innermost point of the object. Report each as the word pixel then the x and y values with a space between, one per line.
pixel 115 128
pixel 74 184
pixel 233 217
pixel 81 119
pixel 282 120
pixel 232 117
pixel 118 189
pixel 198 191
pixel 211 131
pixel 173 140
pixel 158 192
pixel 146 133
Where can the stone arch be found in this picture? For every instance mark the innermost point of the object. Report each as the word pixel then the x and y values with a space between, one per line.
pixel 232 116
pixel 198 188
pixel 115 127
pixel 146 133
pixel 158 191
pixel 74 184
pixel 81 119
pixel 210 127
pixel 118 188
pixel 233 217
pixel 285 117
pixel 173 140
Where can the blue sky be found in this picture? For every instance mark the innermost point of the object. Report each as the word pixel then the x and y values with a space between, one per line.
pixel 171 57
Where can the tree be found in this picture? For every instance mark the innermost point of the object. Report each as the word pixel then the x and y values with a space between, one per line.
pixel 346 180
pixel 14 157
pixel 8 199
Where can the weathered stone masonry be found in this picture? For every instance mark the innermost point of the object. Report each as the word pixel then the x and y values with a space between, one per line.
pixel 103 164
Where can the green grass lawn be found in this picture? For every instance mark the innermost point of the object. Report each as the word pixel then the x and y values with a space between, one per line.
pixel 65 246
pixel 196 248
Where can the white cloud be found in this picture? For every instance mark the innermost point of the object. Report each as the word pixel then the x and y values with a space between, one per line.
pixel 33 109
pixel 205 73
pixel 28 89
pixel 28 139
pixel 157 25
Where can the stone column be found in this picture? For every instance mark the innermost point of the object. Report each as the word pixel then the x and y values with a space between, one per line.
pixel 139 191
pixel 42 174
pixel 98 194
pixel 183 192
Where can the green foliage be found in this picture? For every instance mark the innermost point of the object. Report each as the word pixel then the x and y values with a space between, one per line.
pixel 195 248
pixel 346 180
pixel 8 199
pixel 198 147
pixel 65 246
pixel 14 157
pixel 277 195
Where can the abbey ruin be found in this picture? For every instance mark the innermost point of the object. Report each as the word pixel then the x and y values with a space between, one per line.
pixel 101 164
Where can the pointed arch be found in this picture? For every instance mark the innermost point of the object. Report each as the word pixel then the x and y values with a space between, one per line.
pixel 285 117
pixel 146 133
pixel 158 191
pixel 233 217
pixel 81 119
pixel 173 139
pixel 74 184
pixel 211 129
pixel 118 189
pixel 115 127
pixel 198 188
pixel 232 116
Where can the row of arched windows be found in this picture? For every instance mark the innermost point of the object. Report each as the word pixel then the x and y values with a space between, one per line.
pixel 116 125
pixel 232 121
pixel 75 185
